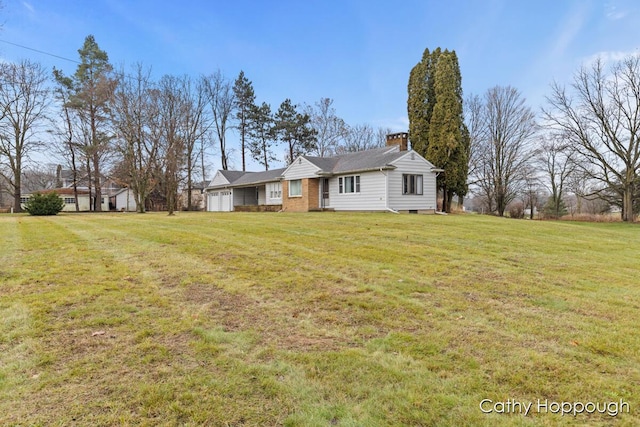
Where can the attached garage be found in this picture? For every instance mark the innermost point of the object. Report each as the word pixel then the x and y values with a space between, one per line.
pixel 220 201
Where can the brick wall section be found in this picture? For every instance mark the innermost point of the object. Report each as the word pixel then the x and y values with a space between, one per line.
pixel 308 201
pixel 313 187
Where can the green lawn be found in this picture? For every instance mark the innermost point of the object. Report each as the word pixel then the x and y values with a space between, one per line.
pixel 315 319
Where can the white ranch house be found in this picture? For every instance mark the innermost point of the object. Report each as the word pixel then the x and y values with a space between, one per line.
pixel 390 178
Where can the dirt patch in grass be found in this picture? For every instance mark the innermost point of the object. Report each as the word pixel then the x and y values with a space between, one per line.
pixel 239 313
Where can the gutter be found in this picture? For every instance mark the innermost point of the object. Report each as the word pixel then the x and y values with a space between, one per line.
pixel 349 172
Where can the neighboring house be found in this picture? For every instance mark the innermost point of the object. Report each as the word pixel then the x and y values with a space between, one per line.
pixel 198 200
pixel 390 178
pixel 124 200
pixel 84 199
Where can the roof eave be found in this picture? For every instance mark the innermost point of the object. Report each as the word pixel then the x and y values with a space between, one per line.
pixel 370 169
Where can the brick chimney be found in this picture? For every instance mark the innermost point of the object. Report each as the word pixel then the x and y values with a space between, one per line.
pixel 401 139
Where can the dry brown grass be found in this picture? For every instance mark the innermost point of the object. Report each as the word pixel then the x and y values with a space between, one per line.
pixel 313 319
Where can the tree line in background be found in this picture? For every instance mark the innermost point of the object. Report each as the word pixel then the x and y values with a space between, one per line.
pixel 585 144
pixel 152 136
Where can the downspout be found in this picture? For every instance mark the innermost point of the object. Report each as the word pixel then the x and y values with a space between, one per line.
pixel 386 193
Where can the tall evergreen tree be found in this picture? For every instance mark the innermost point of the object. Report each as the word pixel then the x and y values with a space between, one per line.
pixel 436 122
pixel 261 132
pixel 245 100
pixel 92 87
pixel 422 100
pixel 294 129
pixel 444 131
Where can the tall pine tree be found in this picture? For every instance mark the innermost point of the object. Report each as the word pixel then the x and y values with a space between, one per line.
pixel 294 129
pixel 91 89
pixel 436 126
pixel 245 101
pixel 260 133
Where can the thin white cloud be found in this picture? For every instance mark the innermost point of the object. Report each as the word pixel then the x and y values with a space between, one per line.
pixel 613 13
pixel 570 29
pixel 28 6
pixel 609 57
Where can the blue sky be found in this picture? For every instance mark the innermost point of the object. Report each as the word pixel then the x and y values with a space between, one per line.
pixel 359 53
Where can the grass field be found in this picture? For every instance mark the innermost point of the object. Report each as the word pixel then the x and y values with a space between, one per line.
pixel 315 320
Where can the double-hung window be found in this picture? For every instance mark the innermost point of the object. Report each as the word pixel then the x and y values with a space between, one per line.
pixel 275 190
pixel 411 184
pixel 349 184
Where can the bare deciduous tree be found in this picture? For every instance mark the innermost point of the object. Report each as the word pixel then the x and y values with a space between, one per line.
pixel 222 102
pixel 601 118
pixel 503 146
pixel 556 160
pixel 132 109
pixel 23 100
pixel 170 131
pixel 195 124
pixel 330 128
pixel 360 138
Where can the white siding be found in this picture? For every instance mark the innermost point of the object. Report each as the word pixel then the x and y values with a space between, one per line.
pixel 276 188
pixel 126 201
pixel 419 166
pixel 370 197
pixel 218 179
pixel 300 168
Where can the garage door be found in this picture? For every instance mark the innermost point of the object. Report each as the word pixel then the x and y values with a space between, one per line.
pixel 219 201
pixel 225 201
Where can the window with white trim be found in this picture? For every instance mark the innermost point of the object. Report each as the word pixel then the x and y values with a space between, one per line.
pixel 275 190
pixel 411 184
pixel 295 188
pixel 69 200
pixel 349 184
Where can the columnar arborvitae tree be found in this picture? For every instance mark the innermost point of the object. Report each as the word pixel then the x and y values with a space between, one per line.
pixel 422 100
pixel 245 100
pixel 436 123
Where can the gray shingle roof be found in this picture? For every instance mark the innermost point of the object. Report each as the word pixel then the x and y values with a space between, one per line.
pixel 240 178
pixel 249 178
pixel 358 161
pixel 231 175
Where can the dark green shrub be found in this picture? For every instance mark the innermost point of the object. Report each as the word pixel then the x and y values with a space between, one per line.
pixel 554 209
pixel 44 204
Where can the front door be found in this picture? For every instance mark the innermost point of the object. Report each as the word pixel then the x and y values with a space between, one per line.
pixel 325 192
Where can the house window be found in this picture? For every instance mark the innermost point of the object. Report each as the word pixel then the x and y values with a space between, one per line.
pixel 295 188
pixel 69 200
pixel 275 190
pixel 349 184
pixel 411 184
pixel 24 199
